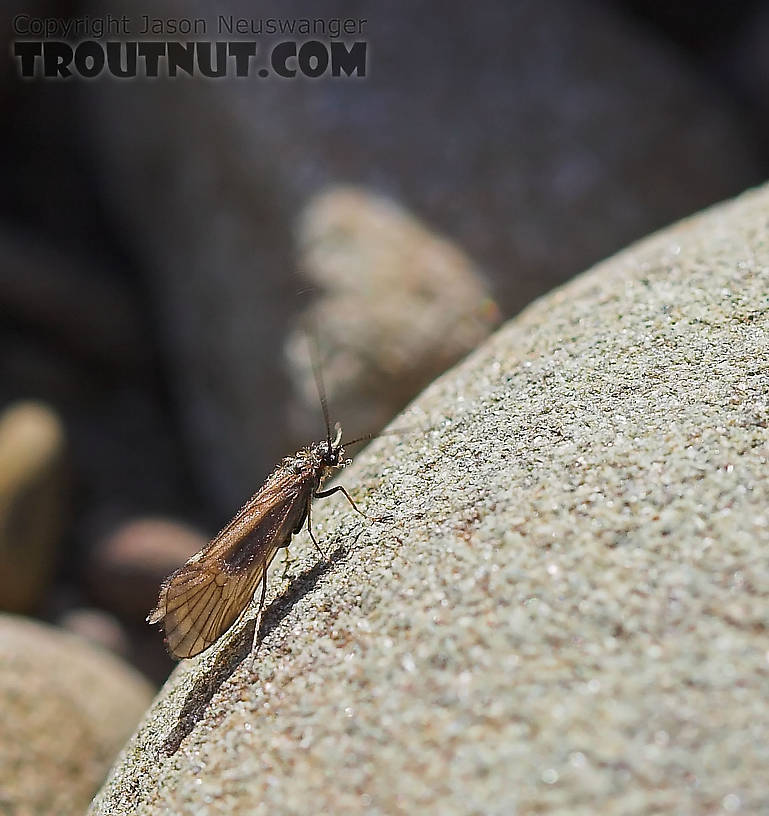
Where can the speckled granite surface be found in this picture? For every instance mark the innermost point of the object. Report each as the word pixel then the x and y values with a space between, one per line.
pixel 569 612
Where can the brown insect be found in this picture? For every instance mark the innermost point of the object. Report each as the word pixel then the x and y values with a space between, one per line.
pixel 200 601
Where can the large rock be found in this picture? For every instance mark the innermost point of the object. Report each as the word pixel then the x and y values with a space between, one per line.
pixel 539 137
pixel 67 709
pixel 569 610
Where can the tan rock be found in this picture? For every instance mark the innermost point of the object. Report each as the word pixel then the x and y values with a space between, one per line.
pixel 67 709
pixel 32 451
pixel 397 306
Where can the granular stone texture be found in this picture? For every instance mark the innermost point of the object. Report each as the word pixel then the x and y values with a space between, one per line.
pixel 567 610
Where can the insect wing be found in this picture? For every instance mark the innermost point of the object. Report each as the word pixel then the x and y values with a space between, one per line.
pixel 200 601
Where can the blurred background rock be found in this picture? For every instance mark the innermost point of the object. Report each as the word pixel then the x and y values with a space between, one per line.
pixel 164 244
pixel 67 710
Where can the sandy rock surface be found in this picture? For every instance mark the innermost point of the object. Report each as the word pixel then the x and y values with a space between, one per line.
pixel 66 710
pixel 568 612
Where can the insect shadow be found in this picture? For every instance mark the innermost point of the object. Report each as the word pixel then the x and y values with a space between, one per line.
pixel 240 647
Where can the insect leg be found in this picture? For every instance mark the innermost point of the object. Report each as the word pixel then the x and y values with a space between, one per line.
pixel 255 643
pixel 286 563
pixel 340 489
pixel 309 527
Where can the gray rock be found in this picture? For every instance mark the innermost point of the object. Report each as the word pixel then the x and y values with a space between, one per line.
pixel 568 611
pixel 67 708
pixel 32 502
pixel 539 136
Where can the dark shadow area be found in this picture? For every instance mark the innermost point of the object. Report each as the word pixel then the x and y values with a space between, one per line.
pixel 239 648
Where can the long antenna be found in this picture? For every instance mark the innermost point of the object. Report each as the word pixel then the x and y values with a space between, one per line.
pixel 365 438
pixel 406 429
pixel 318 374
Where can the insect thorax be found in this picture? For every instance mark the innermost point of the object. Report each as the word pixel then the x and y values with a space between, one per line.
pixel 314 458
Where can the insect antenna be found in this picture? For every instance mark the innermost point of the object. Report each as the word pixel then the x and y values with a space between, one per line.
pixel 392 432
pixel 318 374
pixel 365 438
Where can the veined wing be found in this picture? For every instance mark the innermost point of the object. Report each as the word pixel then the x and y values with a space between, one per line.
pixel 200 601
